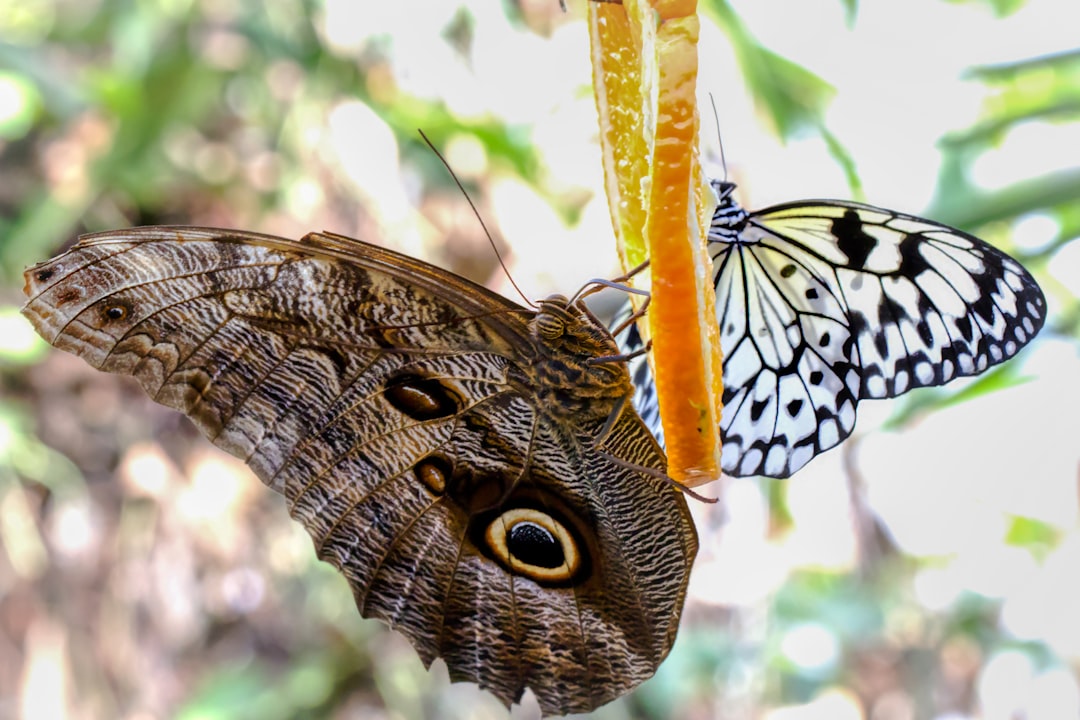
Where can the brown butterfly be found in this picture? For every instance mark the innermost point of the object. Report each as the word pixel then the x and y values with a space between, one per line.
pixel 472 467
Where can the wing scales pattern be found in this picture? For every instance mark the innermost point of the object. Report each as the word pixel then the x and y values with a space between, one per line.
pixel 823 303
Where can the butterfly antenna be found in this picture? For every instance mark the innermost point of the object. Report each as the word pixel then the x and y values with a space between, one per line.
pixel 476 212
pixel 719 135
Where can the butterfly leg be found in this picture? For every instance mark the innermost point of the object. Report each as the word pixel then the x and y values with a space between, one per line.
pixel 621 357
pixel 631 319
pixel 619 283
pixel 631 273
pixel 597 284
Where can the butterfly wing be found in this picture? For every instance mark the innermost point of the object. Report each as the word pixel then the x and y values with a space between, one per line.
pixel 388 401
pixel 824 303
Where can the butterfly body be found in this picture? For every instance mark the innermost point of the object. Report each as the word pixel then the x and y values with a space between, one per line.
pixel 823 303
pixel 566 381
pixel 426 432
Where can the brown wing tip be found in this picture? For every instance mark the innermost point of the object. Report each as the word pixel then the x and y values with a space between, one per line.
pixel 36 276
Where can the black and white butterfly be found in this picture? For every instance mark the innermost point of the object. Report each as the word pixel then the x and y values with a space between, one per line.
pixel 823 303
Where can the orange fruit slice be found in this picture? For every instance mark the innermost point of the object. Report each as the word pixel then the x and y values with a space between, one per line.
pixel 644 56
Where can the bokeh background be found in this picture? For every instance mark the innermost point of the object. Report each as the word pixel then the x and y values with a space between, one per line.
pixel 928 568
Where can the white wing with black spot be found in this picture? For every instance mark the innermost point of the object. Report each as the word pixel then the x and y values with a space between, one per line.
pixel 824 303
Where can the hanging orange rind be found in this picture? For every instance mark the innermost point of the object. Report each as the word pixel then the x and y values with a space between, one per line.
pixel 644 56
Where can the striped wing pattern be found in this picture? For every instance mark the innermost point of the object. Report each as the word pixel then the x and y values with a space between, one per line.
pixel 824 303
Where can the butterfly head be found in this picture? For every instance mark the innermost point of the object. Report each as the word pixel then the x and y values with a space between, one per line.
pixel 729 218
pixel 570 326
pixel 725 192
pixel 553 317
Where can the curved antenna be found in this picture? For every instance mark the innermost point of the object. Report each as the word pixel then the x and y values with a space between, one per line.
pixel 476 212
pixel 719 135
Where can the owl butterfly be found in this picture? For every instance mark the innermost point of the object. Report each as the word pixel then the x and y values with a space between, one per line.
pixel 824 303
pixel 473 467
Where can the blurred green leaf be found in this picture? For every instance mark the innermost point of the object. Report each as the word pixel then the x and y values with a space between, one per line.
pixel 959 204
pixel 851 11
pixel 780 519
pixel 792 96
pixel 928 400
pixel 1001 8
pixel 238 692
pixel 846 161
pixel 1032 534
pixel 841 601
pixel 1044 88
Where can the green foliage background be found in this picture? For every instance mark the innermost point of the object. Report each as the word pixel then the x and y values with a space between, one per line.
pixel 152 578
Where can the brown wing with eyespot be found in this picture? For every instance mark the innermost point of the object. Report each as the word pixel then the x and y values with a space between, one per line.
pixel 390 402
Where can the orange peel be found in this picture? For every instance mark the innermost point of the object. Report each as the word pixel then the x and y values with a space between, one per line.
pixel 644 57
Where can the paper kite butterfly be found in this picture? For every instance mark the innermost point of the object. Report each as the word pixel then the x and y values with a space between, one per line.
pixel 823 303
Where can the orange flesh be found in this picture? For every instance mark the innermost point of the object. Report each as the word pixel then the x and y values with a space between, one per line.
pixel 645 74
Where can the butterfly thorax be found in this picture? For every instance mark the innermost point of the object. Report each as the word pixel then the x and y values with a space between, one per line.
pixel 729 218
pixel 566 377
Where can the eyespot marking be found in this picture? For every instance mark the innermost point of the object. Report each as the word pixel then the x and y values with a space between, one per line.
pixel 534 544
pixel 433 472
pixel 421 398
